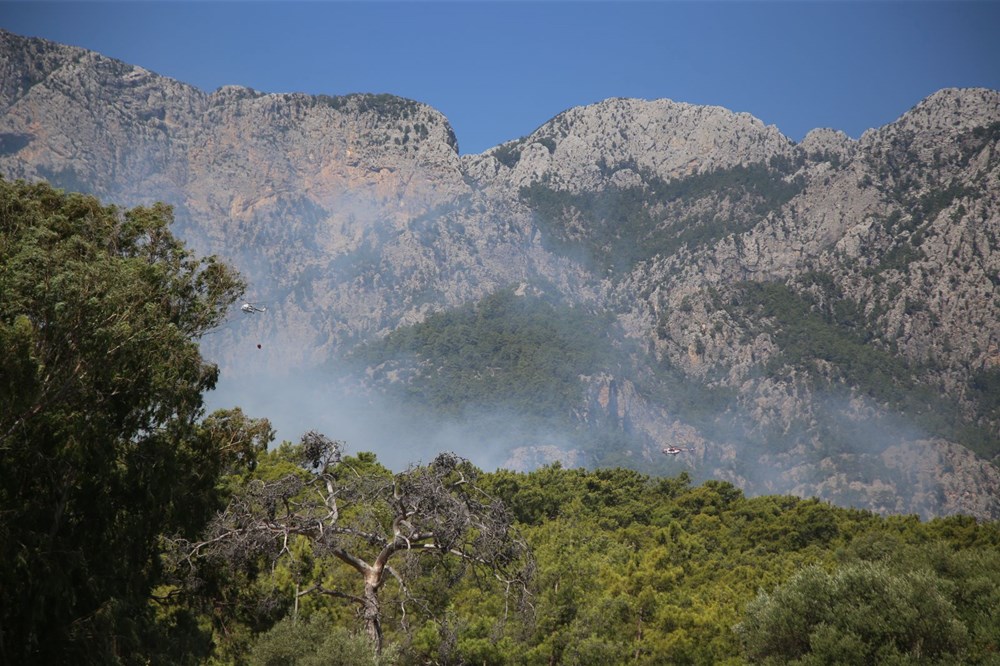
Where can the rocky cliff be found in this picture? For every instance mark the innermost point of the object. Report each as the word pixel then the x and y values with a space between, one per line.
pixel 818 318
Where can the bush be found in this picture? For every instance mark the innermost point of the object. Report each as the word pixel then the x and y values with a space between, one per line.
pixel 863 613
pixel 314 642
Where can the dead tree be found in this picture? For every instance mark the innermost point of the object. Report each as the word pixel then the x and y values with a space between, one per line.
pixel 366 520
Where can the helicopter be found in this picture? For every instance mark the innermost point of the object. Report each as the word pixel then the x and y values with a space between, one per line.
pixel 251 308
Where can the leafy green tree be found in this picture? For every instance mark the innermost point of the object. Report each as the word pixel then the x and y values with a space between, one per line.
pixel 862 613
pixel 356 514
pixel 101 449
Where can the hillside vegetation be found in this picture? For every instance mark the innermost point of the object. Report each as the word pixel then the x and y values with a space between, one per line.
pixel 504 351
pixel 631 569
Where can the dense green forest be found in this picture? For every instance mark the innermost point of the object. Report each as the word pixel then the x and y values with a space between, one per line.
pixel 135 528
pixel 628 568
pixel 520 352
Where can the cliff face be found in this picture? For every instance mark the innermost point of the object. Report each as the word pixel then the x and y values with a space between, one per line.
pixel 818 318
pixel 836 306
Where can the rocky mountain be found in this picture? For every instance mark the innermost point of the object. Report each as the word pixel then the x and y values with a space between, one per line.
pixel 819 318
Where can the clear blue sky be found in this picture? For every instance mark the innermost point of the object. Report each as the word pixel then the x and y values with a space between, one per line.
pixel 498 70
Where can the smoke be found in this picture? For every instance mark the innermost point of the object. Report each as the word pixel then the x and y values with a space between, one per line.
pixel 334 275
pixel 398 433
pixel 336 293
pixel 836 444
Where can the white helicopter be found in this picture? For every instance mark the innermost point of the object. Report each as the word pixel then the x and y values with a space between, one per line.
pixel 674 450
pixel 251 308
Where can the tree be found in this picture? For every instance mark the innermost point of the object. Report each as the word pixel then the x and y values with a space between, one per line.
pixel 861 613
pixel 101 449
pixel 366 518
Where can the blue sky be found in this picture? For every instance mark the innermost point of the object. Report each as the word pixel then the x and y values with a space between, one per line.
pixel 498 70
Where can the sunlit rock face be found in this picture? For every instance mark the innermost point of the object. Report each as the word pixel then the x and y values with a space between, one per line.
pixel 875 259
pixel 612 142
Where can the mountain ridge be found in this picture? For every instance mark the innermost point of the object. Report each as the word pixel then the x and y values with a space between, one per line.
pixel 716 242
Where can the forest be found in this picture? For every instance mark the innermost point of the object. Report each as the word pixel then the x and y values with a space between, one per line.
pixel 135 528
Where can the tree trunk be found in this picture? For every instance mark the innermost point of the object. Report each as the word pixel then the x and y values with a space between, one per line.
pixel 372 616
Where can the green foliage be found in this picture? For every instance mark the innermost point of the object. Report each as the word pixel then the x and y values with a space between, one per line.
pixel 505 351
pixel 389 107
pixel 517 361
pixel 927 207
pixel 609 228
pixel 11 143
pixel 862 613
pixel 806 333
pixel 549 143
pixel 313 642
pixel 701 405
pixel 508 154
pixel 101 386
pixel 635 569
pixel 985 385
pixel 639 570
pixel 514 362
pixel 909 230
pixel 972 143
pixel 345 528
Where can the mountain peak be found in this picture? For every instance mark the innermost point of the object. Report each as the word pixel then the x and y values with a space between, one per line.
pixel 584 147
pixel 947 112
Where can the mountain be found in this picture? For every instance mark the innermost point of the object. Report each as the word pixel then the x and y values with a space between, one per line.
pixel 817 318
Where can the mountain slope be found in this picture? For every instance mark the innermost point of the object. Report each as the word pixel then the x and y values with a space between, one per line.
pixel 818 318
